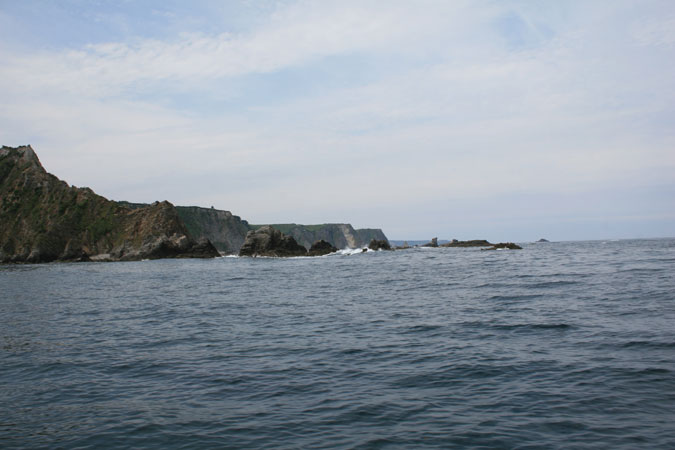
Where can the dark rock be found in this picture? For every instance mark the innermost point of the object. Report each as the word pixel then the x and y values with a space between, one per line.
pixel 543 240
pixel 203 248
pixel 473 243
pixel 380 244
pixel 266 241
pixel 320 248
pixel 433 243
pixel 504 245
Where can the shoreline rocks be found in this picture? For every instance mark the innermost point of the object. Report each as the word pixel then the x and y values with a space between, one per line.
pixel 379 244
pixel 504 245
pixel 320 248
pixel 433 243
pixel 472 243
pixel 267 241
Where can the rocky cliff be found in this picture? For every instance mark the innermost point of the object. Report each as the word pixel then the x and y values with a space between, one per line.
pixel 340 235
pixel 225 230
pixel 228 232
pixel 44 219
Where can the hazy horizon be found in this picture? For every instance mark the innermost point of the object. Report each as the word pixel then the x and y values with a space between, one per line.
pixel 506 121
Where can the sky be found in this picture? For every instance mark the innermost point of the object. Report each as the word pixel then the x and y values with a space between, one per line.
pixel 502 120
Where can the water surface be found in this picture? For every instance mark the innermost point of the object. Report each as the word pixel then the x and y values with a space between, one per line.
pixel 558 345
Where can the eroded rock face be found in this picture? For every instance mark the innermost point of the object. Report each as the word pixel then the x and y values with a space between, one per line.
pixel 267 241
pixel 320 248
pixel 376 244
pixel 44 219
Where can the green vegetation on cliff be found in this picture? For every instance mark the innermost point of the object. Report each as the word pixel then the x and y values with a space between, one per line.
pixel 43 219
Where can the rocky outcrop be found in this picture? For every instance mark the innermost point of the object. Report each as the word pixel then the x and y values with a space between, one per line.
pixel 473 243
pixel 320 248
pixel 44 219
pixel 504 245
pixel 433 243
pixel 543 240
pixel 379 245
pixel 340 235
pixel 267 241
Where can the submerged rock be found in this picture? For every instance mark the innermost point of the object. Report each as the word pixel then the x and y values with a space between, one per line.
pixel 320 248
pixel 473 243
pixel 267 241
pixel 379 244
pixel 504 245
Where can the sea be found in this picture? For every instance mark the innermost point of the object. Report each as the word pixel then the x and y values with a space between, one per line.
pixel 558 345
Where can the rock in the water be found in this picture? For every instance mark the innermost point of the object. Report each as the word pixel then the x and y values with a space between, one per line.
pixel 381 244
pixel 505 245
pixel 405 246
pixel 266 241
pixel 543 240
pixel 320 248
pixel 473 243
pixel 433 243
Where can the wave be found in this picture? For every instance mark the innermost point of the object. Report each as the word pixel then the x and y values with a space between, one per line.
pixel 353 251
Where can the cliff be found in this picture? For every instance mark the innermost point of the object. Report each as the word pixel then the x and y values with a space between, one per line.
pixel 225 230
pixel 340 235
pixel 44 219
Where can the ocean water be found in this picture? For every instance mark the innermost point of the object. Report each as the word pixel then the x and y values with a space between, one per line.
pixel 560 345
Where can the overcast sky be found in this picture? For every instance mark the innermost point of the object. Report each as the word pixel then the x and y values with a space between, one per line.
pixel 503 120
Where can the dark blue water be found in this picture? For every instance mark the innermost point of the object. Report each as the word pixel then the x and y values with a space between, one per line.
pixel 559 345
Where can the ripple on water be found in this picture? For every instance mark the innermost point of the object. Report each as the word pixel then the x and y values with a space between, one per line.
pixel 555 346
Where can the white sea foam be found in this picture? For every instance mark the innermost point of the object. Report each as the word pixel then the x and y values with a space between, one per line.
pixel 352 251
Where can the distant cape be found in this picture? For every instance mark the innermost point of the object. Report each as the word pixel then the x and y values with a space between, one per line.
pixel 43 219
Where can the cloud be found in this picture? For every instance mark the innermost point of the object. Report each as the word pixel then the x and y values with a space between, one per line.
pixel 321 108
pixel 291 37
